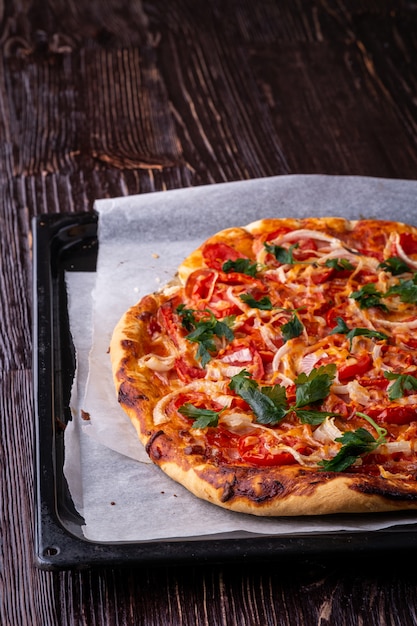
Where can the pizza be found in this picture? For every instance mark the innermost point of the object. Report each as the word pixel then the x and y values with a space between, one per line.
pixel 276 374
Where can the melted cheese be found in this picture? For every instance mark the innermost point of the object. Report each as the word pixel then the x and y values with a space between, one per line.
pixel 303 289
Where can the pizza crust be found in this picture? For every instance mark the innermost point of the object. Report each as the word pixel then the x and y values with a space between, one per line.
pixel 340 494
pixel 271 491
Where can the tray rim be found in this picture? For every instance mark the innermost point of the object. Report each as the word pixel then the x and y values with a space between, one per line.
pixel 58 540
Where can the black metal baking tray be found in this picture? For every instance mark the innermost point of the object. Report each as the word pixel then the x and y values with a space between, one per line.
pixel 64 243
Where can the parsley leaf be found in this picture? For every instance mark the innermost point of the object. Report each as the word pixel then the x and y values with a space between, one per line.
pixel 268 403
pixel 356 443
pixel 293 328
pixel 395 265
pixel 315 386
pixel 403 383
pixel 343 329
pixel 276 393
pixel 340 265
pixel 187 317
pixel 405 289
pixel 202 417
pixel 204 331
pixel 242 266
pixel 281 254
pixel 312 417
pixel 264 303
pixel 368 297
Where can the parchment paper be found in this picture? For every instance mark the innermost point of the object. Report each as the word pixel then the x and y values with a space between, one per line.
pixel 142 239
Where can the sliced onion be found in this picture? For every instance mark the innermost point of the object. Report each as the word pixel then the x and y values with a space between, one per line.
pixel 407 400
pixel 306 233
pixel 284 380
pixel 267 335
pixel 217 371
pixel 357 393
pixel 237 421
pixel 400 252
pixel 344 253
pixel 327 432
pixel 281 352
pixel 406 447
pixel 225 400
pixel 157 363
pixel 411 325
pixel 213 389
pixel 376 353
pixel 244 355
pixel 309 360
pixel 278 274
pixel 231 370
pixel 236 300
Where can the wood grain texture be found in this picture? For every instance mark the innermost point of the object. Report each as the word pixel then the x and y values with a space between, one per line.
pixel 110 98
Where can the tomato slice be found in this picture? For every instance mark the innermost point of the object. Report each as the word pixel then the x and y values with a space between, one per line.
pixel 395 414
pixel 254 449
pixel 168 322
pixel 215 254
pixel 196 398
pixel 225 444
pixel 278 232
pixel 187 372
pixel 263 238
pixel 408 243
pixel 304 249
pixel 322 275
pixel 410 342
pixel 245 355
pixel 374 239
pixel 333 313
pixel 379 382
pixel 200 284
pixel 357 368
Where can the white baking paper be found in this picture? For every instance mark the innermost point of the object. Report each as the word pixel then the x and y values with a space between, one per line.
pixel 142 239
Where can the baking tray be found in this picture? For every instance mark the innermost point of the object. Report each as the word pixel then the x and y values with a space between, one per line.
pixel 64 243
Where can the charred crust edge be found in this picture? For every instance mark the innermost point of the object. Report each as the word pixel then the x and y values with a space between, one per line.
pixel 128 399
pixel 152 439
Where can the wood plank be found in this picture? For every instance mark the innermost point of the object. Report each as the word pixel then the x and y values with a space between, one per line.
pixel 108 99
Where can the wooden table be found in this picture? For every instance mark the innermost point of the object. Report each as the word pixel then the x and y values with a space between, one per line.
pixel 102 99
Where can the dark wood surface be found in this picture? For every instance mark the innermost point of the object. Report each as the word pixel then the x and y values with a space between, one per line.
pixel 107 98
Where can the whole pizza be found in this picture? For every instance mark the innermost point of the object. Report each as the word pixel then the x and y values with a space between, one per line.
pixel 277 373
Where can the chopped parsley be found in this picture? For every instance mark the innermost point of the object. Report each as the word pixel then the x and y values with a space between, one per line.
pixel 356 443
pixel 188 319
pixel 339 265
pixel 293 328
pixel 315 386
pixel 368 296
pixel 394 265
pixel 242 266
pixel 269 404
pixel 263 303
pixel 343 329
pixel 282 255
pixel 202 417
pixel 405 289
pixel 204 331
pixel 403 383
